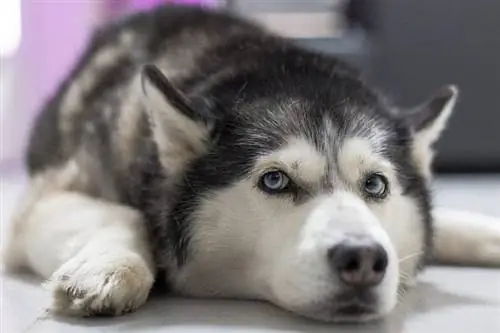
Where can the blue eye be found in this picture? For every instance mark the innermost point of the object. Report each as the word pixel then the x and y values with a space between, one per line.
pixel 274 181
pixel 376 185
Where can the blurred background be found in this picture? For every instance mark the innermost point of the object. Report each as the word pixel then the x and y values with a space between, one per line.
pixel 408 48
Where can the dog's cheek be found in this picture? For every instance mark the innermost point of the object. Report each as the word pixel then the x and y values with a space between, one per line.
pixel 402 220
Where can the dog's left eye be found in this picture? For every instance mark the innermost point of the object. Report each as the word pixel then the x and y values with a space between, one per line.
pixel 274 182
pixel 376 185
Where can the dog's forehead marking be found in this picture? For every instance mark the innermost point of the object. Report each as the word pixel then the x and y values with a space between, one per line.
pixel 360 124
pixel 299 157
pixel 357 155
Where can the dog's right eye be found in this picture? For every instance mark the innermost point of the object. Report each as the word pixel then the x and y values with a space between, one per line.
pixel 274 182
pixel 376 186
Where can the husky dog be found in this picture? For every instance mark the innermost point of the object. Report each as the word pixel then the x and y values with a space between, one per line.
pixel 195 148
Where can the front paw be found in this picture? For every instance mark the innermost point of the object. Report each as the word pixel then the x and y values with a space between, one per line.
pixel 489 249
pixel 480 237
pixel 101 285
pixel 466 238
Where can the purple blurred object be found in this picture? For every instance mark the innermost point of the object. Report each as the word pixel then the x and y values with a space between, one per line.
pixel 124 7
pixel 145 4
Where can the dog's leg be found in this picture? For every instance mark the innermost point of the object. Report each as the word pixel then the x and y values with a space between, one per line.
pixel 464 238
pixel 93 253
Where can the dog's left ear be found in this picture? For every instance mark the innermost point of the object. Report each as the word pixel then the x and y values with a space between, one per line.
pixel 181 126
pixel 428 121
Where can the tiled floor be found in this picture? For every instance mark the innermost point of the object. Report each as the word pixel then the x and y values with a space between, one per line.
pixel 446 300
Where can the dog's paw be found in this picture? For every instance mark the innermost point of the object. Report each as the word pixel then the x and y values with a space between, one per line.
pixel 100 285
pixel 483 236
pixel 489 248
pixel 467 238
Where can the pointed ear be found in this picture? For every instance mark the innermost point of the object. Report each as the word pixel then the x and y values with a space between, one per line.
pixel 181 128
pixel 430 119
pixel 428 122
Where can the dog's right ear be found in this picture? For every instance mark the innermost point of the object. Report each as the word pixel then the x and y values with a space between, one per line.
pixel 181 129
pixel 428 122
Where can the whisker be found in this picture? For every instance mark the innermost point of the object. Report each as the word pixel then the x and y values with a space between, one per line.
pixel 400 296
pixel 411 256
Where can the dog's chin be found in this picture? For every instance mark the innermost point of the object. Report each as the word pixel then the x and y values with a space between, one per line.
pixel 349 314
pixel 355 314
pixel 347 308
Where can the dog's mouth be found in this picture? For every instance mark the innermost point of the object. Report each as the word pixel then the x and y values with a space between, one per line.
pixel 353 306
pixel 346 313
pixel 355 309
pixel 355 312
pixel 359 308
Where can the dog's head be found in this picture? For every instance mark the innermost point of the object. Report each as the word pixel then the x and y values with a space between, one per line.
pixel 302 187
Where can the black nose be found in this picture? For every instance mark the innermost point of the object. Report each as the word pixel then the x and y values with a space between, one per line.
pixel 359 261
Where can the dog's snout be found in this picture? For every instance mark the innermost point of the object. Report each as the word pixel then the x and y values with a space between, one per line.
pixel 359 261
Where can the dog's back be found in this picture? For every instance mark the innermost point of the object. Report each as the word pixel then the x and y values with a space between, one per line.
pixel 96 117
